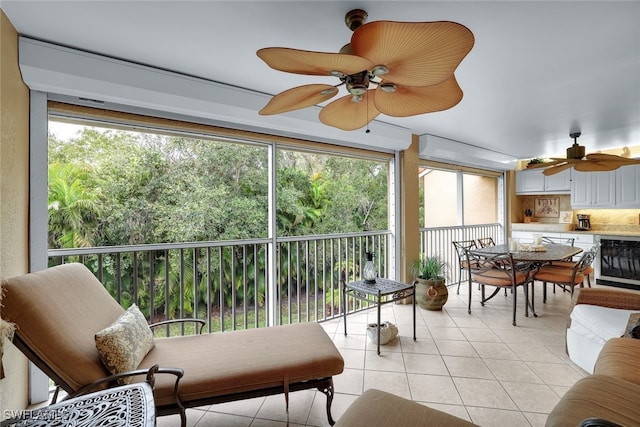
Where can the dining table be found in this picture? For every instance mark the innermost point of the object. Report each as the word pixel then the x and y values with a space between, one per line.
pixel 534 255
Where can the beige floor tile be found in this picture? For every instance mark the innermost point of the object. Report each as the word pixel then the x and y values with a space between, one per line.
pixel 424 364
pixel 446 333
pixel 532 397
pixel 350 381
pixel 468 367
pixel 494 351
pixel 318 414
pixel 391 382
pixel 353 359
pixel 356 342
pixel 489 417
pixel 193 416
pixel 512 335
pixel 455 410
pixel 534 352
pixel 559 389
pixel 536 420
pixel 422 345
pixel 467 322
pixel 385 361
pixel 512 370
pixel 456 348
pixel 270 423
pixel 433 389
pixel 480 335
pixel 483 393
pixel 213 419
pixel 554 373
pixel 247 408
pixel 274 407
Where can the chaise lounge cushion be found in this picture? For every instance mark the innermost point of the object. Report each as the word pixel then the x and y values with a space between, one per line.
pixel 599 323
pixel 123 344
pixel 60 336
pixel 220 364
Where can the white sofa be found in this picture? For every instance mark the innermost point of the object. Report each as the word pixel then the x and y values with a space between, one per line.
pixel 597 315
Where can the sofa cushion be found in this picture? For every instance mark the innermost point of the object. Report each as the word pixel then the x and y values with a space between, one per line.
pixel 123 344
pixel 597 396
pixel 620 358
pixel 375 408
pixel 599 323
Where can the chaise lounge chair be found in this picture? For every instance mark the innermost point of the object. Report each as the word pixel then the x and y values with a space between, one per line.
pixel 58 312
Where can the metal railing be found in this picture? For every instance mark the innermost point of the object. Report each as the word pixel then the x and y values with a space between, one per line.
pixel 226 283
pixel 439 241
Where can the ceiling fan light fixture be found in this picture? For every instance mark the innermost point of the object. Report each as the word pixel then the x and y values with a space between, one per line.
pixel 388 87
pixel 379 70
pixel 357 84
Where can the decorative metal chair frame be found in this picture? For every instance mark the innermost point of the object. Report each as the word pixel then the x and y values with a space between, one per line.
pixel 559 275
pixel 485 242
pixel 500 271
pixel 461 246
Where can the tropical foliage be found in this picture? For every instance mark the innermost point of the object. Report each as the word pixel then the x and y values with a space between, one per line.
pixel 118 188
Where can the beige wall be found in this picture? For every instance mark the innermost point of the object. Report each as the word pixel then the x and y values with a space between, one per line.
pixel 14 197
pixel 409 202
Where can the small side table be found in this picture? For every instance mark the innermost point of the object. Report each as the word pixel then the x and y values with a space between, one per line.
pixel 127 406
pixel 374 293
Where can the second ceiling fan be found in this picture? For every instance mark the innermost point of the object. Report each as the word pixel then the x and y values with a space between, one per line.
pixel 576 158
pixel 399 69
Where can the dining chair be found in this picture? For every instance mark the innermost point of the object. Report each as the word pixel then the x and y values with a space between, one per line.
pixel 501 272
pixel 569 262
pixel 485 242
pixel 567 277
pixel 461 247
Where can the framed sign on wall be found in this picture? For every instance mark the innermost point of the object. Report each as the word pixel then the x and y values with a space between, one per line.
pixel 547 207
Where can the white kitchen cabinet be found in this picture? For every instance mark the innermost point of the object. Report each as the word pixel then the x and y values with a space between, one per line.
pixel 532 181
pixel 593 189
pixel 628 186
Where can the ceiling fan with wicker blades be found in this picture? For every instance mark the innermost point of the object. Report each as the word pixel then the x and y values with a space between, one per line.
pixel 595 162
pixel 399 69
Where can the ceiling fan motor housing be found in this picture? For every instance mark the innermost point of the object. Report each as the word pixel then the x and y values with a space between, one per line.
pixel 576 151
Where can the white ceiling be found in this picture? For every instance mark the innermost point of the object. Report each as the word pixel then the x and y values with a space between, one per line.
pixel 538 69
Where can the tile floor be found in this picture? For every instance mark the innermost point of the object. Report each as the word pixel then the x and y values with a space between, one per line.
pixel 478 366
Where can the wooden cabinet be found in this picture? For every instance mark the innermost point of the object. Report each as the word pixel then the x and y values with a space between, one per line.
pixel 532 181
pixel 593 189
pixel 628 187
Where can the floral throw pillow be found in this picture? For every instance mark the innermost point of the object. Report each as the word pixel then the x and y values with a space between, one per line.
pixel 124 344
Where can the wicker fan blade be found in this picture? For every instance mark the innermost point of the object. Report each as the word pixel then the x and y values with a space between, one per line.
pixel 312 63
pixel 298 97
pixel 545 164
pixel 413 100
pixel 611 158
pixel 347 115
pixel 593 166
pixel 556 169
pixel 416 53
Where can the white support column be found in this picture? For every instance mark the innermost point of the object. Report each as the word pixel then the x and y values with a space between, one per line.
pixel 271 288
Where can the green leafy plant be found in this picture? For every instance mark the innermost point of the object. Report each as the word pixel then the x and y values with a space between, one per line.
pixel 427 267
pixel 535 161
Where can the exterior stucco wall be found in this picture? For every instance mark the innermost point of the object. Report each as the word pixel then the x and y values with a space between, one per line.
pixel 14 198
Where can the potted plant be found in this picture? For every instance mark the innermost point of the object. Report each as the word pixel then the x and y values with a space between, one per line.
pixel 431 291
pixel 528 213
